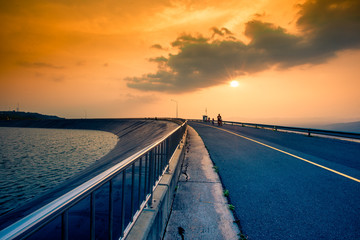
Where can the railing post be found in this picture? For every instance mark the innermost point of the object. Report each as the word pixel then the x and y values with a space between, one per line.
pixel 146 184
pixel 92 216
pixel 158 170
pixel 168 149
pixel 132 190
pixel 123 202
pixel 151 176
pixel 161 158
pixel 111 209
pixel 156 163
pixel 139 188
pixel 65 225
pixel 164 155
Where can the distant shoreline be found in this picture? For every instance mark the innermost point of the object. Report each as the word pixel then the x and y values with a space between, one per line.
pixel 17 115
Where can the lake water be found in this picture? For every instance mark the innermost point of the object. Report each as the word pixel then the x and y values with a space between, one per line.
pixel 34 160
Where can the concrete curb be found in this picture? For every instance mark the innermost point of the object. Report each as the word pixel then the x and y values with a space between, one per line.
pixel 152 221
pixel 200 211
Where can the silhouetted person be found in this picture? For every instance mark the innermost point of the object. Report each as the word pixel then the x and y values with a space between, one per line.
pixel 181 232
pixel 219 120
pixel 213 121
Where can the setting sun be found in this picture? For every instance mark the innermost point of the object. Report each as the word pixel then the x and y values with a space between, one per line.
pixel 234 83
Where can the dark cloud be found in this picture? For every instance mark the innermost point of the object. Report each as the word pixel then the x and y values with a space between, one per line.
pixel 276 45
pixel 161 59
pixel 187 39
pixel 157 46
pixel 37 65
pixel 326 26
pixel 221 32
pixel 331 25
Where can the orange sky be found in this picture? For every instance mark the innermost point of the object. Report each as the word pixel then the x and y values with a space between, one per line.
pixel 297 62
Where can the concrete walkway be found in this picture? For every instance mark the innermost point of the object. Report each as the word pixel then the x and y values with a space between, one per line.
pixel 200 211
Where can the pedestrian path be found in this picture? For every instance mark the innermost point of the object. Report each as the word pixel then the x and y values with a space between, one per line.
pixel 200 211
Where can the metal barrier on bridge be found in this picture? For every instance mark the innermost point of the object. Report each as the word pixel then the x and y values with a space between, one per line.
pixel 106 206
pixel 307 131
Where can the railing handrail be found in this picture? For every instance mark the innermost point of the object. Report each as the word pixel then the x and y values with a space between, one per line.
pixel 297 129
pixel 63 202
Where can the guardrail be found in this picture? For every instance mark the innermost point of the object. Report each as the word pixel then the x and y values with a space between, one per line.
pixel 106 206
pixel 307 131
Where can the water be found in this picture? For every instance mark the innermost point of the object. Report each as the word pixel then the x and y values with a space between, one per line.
pixel 33 160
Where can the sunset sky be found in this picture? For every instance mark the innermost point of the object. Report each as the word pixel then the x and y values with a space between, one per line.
pixel 296 62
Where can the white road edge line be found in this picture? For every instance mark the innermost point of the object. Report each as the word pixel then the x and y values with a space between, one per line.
pixel 292 155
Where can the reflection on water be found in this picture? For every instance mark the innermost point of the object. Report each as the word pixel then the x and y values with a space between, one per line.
pixel 33 160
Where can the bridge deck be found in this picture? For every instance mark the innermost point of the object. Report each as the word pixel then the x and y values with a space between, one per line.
pixel 286 185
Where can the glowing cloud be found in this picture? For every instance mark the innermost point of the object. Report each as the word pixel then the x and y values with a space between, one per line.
pixel 203 62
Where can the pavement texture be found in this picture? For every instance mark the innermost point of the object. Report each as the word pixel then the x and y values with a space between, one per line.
pixel 200 211
pixel 280 196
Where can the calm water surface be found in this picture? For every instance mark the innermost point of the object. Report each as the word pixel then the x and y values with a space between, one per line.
pixel 33 160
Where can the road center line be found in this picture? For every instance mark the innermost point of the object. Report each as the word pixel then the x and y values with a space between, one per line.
pixel 292 155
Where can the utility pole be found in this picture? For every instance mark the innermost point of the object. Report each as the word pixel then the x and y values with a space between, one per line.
pixel 176 107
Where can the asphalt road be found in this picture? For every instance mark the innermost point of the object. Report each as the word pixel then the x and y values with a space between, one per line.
pixel 286 185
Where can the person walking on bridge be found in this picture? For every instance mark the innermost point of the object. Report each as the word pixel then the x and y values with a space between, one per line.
pixel 219 120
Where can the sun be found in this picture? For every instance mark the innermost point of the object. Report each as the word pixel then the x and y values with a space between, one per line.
pixel 234 83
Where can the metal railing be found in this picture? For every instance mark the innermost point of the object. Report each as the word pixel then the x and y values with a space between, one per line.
pixel 307 131
pixel 106 206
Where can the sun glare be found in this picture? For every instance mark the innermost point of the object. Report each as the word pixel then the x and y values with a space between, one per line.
pixel 234 83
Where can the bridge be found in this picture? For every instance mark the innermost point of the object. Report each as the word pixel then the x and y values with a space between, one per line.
pixel 284 183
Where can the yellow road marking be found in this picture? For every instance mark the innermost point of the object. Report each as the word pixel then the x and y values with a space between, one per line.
pixel 292 155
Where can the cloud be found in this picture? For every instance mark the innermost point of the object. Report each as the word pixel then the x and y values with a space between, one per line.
pixel 221 32
pixel 157 46
pixel 331 25
pixel 187 39
pixel 158 59
pixel 326 26
pixel 37 65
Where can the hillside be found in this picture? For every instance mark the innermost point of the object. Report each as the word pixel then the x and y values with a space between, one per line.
pixel 13 115
pixel 346 127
